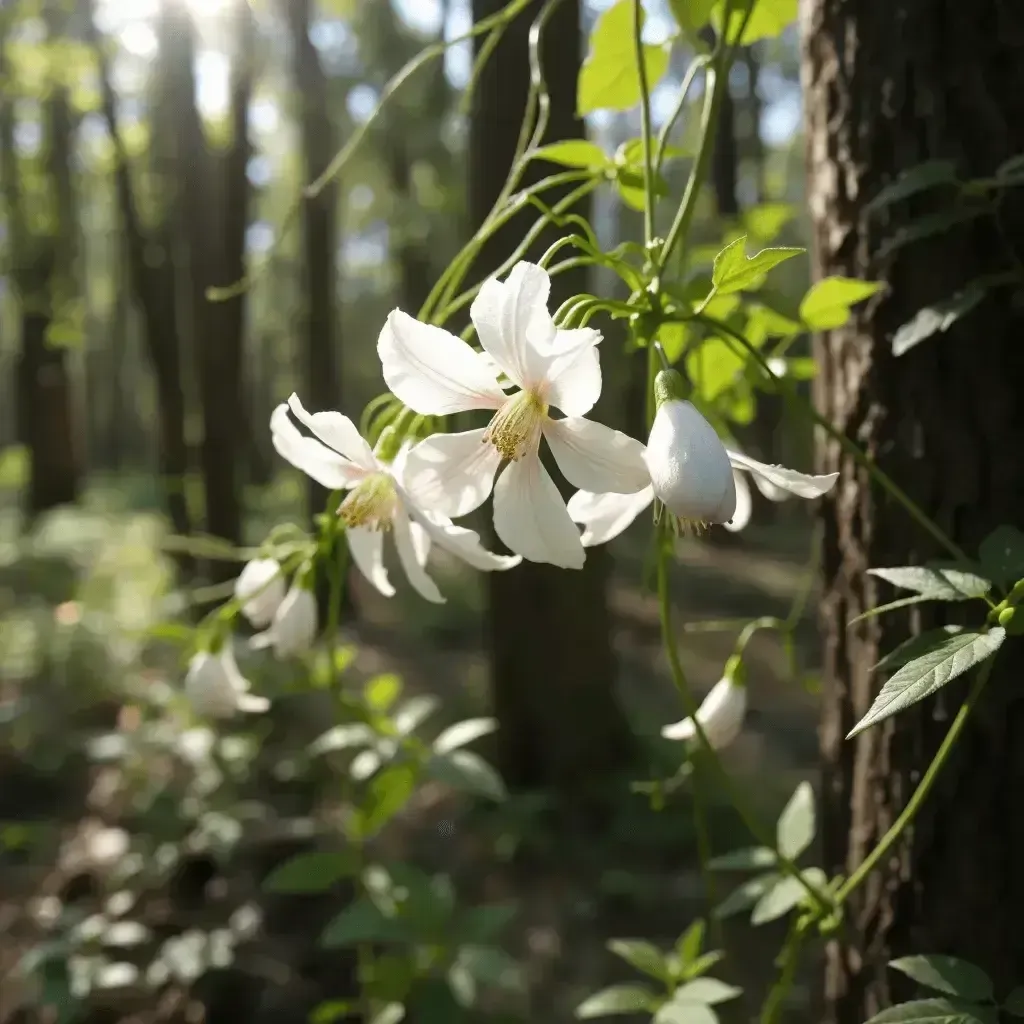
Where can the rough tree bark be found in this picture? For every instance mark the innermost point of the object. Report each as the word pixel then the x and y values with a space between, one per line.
pixel 552 661
pixel 887 86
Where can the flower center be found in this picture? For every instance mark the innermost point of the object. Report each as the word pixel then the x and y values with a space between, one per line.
pixel 370 503
pixel 677 526
pixel 515 428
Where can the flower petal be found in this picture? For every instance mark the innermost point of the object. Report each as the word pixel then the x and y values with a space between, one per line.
pixel 531 518
pixel 513 324
pixel 596 458
pixel 744 504
pixel 574 375
pixel 326 467
pixel 604 516
pixel 422 583
pixel 432 371
pixel 459 541
pixel 803 485
pixel 336 431
pixel 367 548
pixel 450 474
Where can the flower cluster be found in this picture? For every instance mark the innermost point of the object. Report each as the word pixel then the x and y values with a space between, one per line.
pixel 537 382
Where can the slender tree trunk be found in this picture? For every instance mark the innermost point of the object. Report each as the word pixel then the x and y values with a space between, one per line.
pixel 888 86
pixel 552 660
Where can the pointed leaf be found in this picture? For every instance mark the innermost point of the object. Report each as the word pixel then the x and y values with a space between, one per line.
pixel 676 1011
pixel 644 956
pixel 827 304
pixel 750 859
pixel 923 676
pixel 924 176
pixel 746 895
pixel 468 773
pixel 1002 554
pixel 784 897
pixel 1014 1002
pixel 709 991
pixel 617 999
pixel 935 1011
pixel 315 871
pixel 688 945
pixel 916 646
pixel 361 921
pixel 734 270
pixel 934 583
pixel 461 734
pixel 927 227
pixel 947 974
pixel 937 318
pixel 574 153
pixel 795 828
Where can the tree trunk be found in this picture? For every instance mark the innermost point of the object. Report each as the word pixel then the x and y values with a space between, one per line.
pixel 552 661
pixel 888 86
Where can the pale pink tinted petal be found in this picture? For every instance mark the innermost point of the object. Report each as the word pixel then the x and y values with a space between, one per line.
pixel 451 474
pixel 604 516
pixel 337 432
pixel 574 379
pixel 803 485
pixel 407 555
pixel 327 468
pixel 744 504
pixel 367 549
pixel 596 458
pixel 530 516
pixel 432 371
pixel 513 324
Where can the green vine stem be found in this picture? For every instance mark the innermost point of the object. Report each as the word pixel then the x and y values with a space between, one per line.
pixel 789 961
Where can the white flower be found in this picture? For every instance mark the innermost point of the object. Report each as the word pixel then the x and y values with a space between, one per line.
pixel 721 715
pixel 379 499
pixel 216 688
pixel 685 462
pixel 294 626
pixel 260 588
pixel 435 373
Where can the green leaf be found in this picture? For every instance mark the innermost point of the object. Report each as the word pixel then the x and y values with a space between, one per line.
pixel 934 583
pixel 795 828
pixel 901 602
pixel 734 270
pixel 689 944
pixel 749 859
pixel 692 15
pixel 609 78
pixel 768 20
pixel 617 999
pixel 468 773
pixel 388 793
pixel 937 318
pixel 1014 1002
pixel 644 956
pixel 927 227
pixel 389 1013
pixel 935 1011
pixel 412 714
pixel 676 1011
pixel 673 338
pixel 1002 554
pixel 924 675
pixel 709 991
pixel 746 895
pixel 764 222
pixel 703 963
pixel 784 897
pixel 713 366
pixel 916 646
pixel 315 871
pixel 917 179
pixel 827 303
pixel 574 153
pixel 382 691
pixel 463 733
pixel 343 737
pixel 361 921
pixel 330 1011
pixel 947 974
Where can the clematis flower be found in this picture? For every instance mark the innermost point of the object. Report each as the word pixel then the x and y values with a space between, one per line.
pixel 699 480
pixel 260 588
pixel 294 626
pixel 378 499
pixel 720 714
pixel 435 373
pixel 216 687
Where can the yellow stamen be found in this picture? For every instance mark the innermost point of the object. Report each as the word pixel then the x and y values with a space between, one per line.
pixel 679 527
pixel 515 428
pixel 371 503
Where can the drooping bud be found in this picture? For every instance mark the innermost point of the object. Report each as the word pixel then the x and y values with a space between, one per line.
pixel 720 714
pixel 689 466
pixel 216 688
pixel 260 588
pixel 295 625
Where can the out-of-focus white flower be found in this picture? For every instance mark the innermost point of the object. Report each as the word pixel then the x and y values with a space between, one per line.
pixel 721 715
pixel 294 625
pixel 695 475
pixel 260 588
pixel 435 373
pixel 216 688
pixel 379 499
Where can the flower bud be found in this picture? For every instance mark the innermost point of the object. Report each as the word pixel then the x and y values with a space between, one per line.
pixel 216 688
pixel 295 624
pixel 1012 620
pixel 689 466
pixel 260 588
pixel 721 715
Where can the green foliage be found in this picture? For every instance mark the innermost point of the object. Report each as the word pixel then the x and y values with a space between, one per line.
pixel 828 303
pixel 734 271
pixel 610 79
pixel 947 974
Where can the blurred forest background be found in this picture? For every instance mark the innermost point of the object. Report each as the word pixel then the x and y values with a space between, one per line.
pixel 151 149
